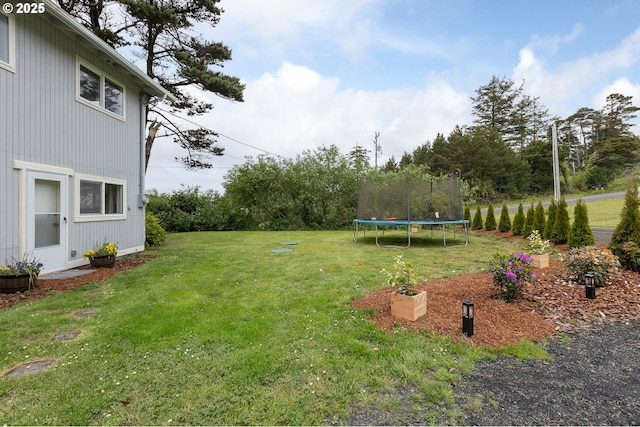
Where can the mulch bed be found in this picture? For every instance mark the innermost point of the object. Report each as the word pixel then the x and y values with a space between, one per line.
pixel 554 304
pixel 51 286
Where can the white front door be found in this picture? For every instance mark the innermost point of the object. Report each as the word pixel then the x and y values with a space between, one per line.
pixel 47 219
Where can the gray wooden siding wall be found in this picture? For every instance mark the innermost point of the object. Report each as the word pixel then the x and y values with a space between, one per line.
pixel 41 122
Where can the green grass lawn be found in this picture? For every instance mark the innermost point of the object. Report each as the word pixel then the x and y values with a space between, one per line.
pixel 218 329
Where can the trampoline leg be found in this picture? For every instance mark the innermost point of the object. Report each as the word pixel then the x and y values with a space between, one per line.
pixel 355 232
pixel 444 235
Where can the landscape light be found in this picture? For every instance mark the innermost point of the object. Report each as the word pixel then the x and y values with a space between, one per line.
pixel 467 318
pixel 590 285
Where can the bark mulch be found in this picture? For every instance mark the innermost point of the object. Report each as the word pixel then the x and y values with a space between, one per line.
pixel 592 379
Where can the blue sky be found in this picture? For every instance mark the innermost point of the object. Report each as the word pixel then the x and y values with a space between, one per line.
pixel 337 71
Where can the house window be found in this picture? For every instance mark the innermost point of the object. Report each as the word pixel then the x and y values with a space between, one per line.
pixel 7 44
pixel 99 198
pixel 100 91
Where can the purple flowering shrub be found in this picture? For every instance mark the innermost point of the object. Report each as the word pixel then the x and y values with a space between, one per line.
pixel 511 273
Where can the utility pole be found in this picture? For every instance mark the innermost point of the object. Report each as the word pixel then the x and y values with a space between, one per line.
pixel 556 165
pixel 376 148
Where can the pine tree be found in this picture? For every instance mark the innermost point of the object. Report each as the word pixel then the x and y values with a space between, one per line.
pixel 580 233
pixel 505 220
pixel 528 222
pixel 539 219
pixel 551 218
pixel 490 221
pixel 625 241
pixel 518 221
pixel 477 220
pixel 560 230
pixel 467 214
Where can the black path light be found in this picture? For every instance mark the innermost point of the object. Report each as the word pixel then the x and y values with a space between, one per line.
pixel 590 285
pixel 467 318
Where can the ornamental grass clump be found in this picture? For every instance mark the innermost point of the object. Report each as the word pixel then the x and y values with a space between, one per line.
pixel 511 273
pixel 591 259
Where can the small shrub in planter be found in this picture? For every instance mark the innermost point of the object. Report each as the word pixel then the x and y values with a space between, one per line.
pixel 511 273
pixel 591 259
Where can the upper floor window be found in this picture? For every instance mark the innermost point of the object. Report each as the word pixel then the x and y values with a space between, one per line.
pixel 100 91
pixel 7 59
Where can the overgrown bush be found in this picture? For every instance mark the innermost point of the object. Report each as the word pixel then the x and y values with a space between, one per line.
pixel 591 259
pixel 511 273
pixel 580 233
pixel 518 221
pixel 154 234
pixel 505 220
pixel 490 220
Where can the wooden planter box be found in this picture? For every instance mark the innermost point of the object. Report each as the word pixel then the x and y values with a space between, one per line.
pixel 409 307
pixel 541 261
pixel 13 284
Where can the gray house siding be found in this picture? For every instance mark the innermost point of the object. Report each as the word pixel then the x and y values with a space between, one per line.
pixel 42 123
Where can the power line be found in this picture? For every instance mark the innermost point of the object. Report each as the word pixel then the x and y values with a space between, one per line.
pixel 220 134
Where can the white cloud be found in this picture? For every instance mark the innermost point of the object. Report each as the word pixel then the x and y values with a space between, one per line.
pixel 296 109
pixel 569 81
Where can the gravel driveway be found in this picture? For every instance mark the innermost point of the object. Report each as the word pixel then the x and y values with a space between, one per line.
pixel 592 380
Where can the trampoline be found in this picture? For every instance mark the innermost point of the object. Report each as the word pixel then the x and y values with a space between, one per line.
pixel 402 200
pixel 397 223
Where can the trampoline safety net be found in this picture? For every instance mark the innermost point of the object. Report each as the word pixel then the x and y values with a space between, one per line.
pixel 411 198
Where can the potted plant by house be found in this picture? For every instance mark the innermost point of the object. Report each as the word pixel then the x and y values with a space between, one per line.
pixel 19 276
pixel 538 248
pixel 406 302
pixel 103 255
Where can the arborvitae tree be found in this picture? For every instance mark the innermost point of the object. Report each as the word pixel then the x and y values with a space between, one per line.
pixel 505 220
pixel 477 220
pixel 539 219
pixel 490 221
pixel 560 231
pixel 551 218
pixel 518 221
pixel 625 241
pixel 467 214
pixel 580 233
pixel 528 222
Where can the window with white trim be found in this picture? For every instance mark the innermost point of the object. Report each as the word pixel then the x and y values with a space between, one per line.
pixel 100 91
pixel 7 42
pixel 99 198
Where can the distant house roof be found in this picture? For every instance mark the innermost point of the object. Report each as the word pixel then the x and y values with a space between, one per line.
pixel 84 36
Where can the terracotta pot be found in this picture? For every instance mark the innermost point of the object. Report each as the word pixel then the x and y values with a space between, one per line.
pixel 541 261
pixel 409 307
pixel 103 261
pixel 13 284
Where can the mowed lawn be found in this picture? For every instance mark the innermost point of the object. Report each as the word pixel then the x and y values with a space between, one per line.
pixel 220 330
